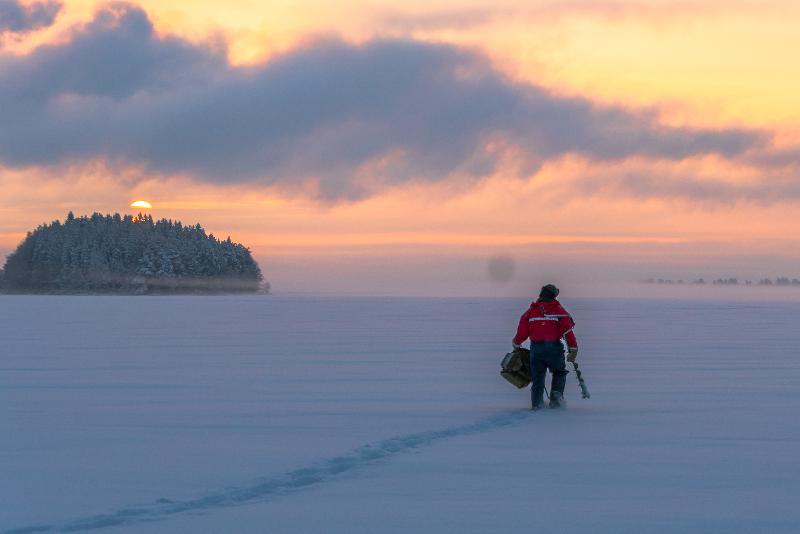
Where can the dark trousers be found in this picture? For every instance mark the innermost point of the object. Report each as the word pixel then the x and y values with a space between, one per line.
pixel 547 355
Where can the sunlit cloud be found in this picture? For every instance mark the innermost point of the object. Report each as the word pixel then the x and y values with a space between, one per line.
pixel 708 181
pixel 549 11
pixel 330 119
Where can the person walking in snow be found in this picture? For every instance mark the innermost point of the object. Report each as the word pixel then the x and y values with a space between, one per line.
pixel 545 323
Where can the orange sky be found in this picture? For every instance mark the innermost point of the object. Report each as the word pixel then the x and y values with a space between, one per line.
pixel 692 64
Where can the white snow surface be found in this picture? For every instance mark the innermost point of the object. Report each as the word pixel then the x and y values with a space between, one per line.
pixel 362 415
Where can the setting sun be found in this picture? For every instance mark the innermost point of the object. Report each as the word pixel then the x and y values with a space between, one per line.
pixel 141 204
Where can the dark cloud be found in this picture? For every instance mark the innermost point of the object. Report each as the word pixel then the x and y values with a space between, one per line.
pixel 777 157
pixel 18 18
pixel 115 55
pixel 354 117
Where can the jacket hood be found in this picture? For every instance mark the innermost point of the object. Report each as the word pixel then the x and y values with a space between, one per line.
pixel 539 302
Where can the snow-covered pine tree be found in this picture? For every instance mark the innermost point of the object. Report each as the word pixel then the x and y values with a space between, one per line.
pixel 127 254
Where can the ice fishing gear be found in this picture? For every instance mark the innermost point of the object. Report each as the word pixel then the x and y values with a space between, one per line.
pixel 516 367
pixel 579 376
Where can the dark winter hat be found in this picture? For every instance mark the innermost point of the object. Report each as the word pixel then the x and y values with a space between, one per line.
pixel 548 292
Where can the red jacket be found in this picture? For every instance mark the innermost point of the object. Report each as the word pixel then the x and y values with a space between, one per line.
pixel 546 321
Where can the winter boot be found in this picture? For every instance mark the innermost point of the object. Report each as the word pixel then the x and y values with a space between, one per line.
pixel 557 400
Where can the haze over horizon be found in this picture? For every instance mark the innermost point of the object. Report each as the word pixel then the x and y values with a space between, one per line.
pixel 365 148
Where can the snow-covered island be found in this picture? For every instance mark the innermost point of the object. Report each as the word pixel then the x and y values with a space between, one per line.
pixel 127 254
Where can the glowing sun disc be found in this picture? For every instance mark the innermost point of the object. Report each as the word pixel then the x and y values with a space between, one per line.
pixel 141 204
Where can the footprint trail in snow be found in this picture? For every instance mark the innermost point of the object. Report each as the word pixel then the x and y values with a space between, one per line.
pixel 270 487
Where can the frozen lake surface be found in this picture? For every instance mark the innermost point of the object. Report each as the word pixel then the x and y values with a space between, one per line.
pixel 293 415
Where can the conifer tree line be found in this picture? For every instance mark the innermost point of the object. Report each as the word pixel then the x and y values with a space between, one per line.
pixel 127 254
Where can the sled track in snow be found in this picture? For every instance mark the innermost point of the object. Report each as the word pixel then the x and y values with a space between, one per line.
pixel 271 487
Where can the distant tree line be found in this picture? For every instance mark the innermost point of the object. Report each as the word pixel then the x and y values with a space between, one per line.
pixel 127 254
pixel 779 281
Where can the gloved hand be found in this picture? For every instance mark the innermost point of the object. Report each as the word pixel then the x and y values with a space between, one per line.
pixel 572 354
pixel 515 347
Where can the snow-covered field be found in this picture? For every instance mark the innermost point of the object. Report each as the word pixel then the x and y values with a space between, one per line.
pixel 294 415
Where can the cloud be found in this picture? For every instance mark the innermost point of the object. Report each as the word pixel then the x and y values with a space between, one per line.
pixel 442 19
pixel 780 157
pixel 723 188
pixel 350 118
pixel 549 12
pixel 115 55
pixel 18 18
